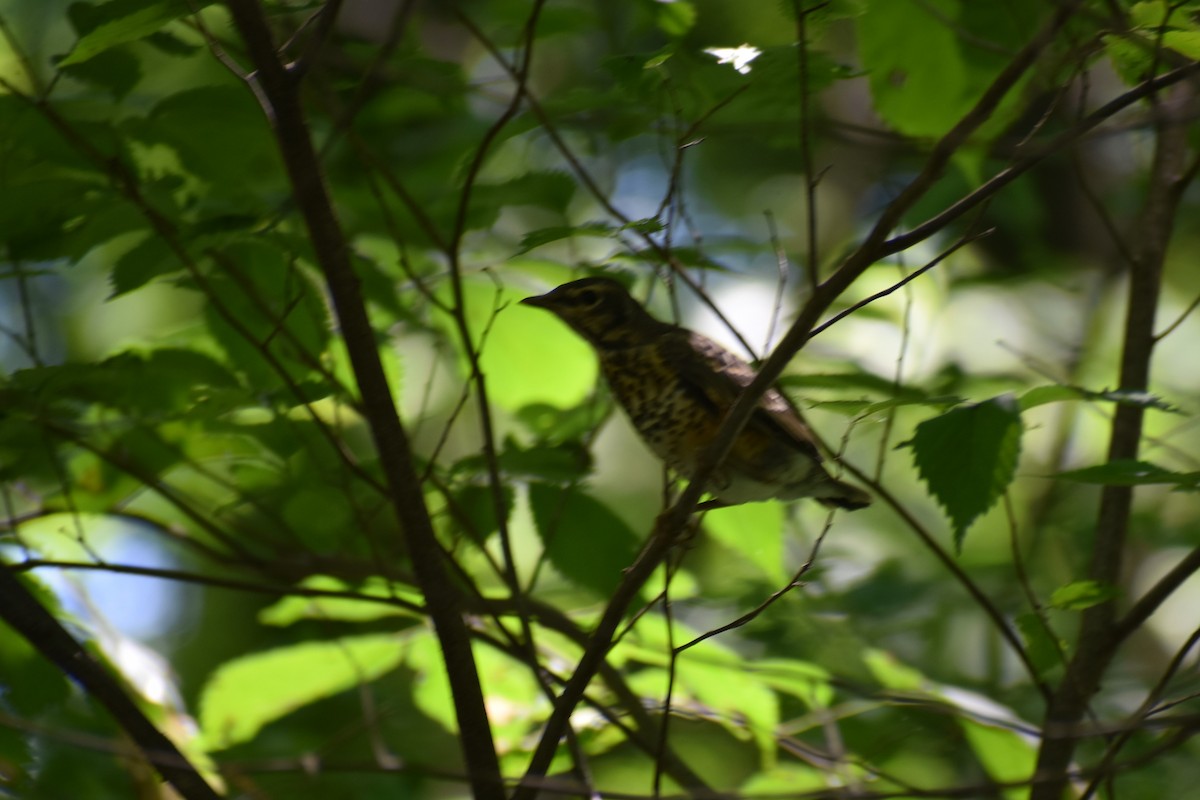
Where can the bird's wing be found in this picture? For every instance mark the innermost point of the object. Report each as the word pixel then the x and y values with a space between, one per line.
pixel 719 376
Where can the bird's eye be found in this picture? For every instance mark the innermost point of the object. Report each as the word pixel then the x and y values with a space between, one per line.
pixel 589 297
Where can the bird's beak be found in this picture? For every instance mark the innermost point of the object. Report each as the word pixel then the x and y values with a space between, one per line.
pixel 539 301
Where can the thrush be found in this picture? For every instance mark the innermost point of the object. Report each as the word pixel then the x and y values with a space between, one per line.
pixel 677 385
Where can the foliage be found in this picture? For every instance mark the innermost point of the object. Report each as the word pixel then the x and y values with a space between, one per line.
pixel 280 448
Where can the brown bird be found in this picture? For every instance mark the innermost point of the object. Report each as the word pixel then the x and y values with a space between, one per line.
pixel 676 387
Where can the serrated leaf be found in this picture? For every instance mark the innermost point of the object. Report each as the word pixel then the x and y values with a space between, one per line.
pixel 1134 397
pixel 1131 472
pixel 1058 393
pixel 968 457
pixel 583 538
pixel 542 236
pixel 1079 595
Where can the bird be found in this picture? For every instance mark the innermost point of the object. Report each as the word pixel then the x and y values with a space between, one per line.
pixel 676 386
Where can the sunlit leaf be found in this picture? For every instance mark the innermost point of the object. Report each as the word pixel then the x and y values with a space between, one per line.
pixel 1008 756
pixel 251 691
pixel 676 18
pixel 755 532
pixel 1082 594
pixel 528 355
pixel 343 609
pixel 891 672
pixel 745 706
pixel 808 682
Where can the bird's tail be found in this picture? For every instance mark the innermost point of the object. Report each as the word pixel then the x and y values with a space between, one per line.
pixel 837 494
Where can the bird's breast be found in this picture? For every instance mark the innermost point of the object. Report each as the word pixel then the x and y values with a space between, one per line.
pixel 658 404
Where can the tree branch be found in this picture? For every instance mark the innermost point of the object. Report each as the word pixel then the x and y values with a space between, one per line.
pixel 1098 638
pixel 278 92
pixel 20 609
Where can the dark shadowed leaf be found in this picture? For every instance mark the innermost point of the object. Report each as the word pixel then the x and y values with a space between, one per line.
pixel 583 539
pixel 1040 644
pixel 968 457
pixel 107 25
pixel 1130 472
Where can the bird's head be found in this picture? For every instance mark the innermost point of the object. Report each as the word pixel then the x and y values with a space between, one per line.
pixel 601 311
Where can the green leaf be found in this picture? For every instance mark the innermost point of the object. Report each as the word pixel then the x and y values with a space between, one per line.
pixel 1130 472
pixel 548 190
pixel 676 18
pixel 1058 393
pixel 114 23
pixel 1040 645
pixel 786 780
pixel 559 463
pixel 754 531
pixel 1006 755
pixel 851 380
pixel 318 513
pixel 142 263
pixel 1079 595
pixel 551 423
pixel 114 70
pixel 968 457
pixel 1133 397
pixel 541 236
pixel 917 74
pixel 507 684
pixel 746 707
pixel 808 682
pixel 864 408
pixel 247 693
pixel 259 301
pixel 477 505
pixel 583 539
pixel 891 673
pixel 221 137
pixel 1041 395
pixel 528 355
pixel 342 609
